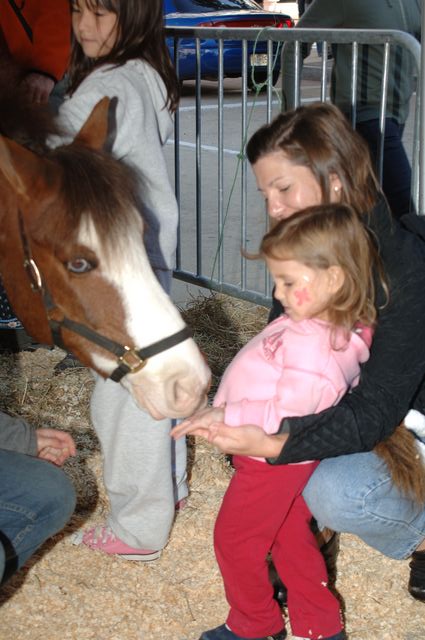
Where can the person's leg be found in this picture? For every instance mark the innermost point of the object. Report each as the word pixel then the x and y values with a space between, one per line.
pixel 313 610
pixel 251 513
pixel 178 447
pixel 355 494
pixel 301 7
pixel 36 501
pixel 137 467
pixel 397 173
pixel 179 470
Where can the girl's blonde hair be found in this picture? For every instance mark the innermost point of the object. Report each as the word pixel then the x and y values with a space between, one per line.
pixel 332 235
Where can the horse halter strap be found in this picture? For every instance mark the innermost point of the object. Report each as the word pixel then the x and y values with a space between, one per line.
pixel 129 360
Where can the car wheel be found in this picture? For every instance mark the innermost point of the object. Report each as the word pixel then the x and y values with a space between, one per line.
pixel 260 78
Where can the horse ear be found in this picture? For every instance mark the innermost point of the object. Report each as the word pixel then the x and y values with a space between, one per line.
pixel 100 129
pixel 13 158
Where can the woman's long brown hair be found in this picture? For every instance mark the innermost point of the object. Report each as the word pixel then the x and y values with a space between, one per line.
pixel 318 136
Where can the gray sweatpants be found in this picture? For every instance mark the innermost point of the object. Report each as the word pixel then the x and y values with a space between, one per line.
pixel 137 467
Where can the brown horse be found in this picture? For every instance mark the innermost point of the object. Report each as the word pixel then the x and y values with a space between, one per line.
pixel 76 271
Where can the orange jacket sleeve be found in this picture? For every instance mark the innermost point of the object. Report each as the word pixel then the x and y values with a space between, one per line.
pixel 38 35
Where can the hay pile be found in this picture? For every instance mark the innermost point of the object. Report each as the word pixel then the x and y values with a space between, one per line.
pixel 221 327
pixel 69 592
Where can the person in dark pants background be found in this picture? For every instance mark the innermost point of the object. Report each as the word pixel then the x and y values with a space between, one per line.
pixel 402 15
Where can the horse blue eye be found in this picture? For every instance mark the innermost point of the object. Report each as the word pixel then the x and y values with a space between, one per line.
pixel 79 265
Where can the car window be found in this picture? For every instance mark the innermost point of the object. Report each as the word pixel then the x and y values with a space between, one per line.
pixel 201 6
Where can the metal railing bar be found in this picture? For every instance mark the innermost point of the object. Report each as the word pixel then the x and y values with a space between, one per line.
pixel 198 155
pixel 383 111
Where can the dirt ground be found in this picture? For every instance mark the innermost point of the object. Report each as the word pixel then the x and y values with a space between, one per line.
pixel 69 592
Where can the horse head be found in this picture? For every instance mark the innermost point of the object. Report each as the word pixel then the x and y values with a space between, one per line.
pixel 76 271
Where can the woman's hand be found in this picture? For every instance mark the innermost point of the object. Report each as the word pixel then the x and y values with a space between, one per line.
pixel 246 440
pixel 39 87
pixel 54 445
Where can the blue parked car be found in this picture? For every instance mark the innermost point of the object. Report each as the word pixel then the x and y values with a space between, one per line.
pixel 222 13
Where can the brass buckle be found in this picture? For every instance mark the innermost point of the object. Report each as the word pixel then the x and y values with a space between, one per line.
pixel 132 360
pixel 33 274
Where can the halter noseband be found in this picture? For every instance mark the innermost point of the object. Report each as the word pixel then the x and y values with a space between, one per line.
pixel 129 359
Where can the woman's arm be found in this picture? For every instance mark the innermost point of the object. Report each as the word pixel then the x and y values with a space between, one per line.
pixel 17 435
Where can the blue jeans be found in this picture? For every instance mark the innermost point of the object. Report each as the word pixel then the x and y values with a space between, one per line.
pixel 36 501
pixel 355 494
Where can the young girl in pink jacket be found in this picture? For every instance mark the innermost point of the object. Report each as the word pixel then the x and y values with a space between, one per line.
pixel 322 262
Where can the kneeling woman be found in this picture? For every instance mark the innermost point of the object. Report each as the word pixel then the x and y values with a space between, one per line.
pixel 308 157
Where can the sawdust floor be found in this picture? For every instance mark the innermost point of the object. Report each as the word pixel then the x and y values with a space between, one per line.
pixel 70 592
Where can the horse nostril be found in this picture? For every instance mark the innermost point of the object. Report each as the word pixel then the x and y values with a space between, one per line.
pixel 185 394
pixel 181 395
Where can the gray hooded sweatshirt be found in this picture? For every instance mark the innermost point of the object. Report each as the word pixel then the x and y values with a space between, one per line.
pixel 143 126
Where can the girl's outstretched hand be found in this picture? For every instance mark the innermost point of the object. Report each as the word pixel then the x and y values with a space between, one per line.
pixel 246 440
pixel 54 445
pixel 199 423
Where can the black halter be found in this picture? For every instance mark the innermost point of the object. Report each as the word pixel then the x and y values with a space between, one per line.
pixel 129 359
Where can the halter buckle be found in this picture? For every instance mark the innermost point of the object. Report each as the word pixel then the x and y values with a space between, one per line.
pixel 132 360
pixel 34 274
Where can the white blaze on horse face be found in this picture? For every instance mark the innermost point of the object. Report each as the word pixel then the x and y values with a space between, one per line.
pixel 174 382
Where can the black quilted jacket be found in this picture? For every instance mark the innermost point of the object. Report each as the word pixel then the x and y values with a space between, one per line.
pixel 393 379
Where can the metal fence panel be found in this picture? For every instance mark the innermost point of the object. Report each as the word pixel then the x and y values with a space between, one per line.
pixel 211 237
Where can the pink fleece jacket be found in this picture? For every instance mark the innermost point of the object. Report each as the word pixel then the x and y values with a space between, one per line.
pixel 289 369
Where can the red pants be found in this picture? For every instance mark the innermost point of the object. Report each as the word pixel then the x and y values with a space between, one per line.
pixel 263 510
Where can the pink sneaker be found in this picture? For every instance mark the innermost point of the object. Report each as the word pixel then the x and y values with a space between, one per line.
pixel 181 504
pixel 102 538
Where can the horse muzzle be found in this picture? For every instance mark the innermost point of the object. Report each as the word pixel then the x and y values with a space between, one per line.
pixel 176 394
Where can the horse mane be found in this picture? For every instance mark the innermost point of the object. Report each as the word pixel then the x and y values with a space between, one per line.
pixel 92 182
